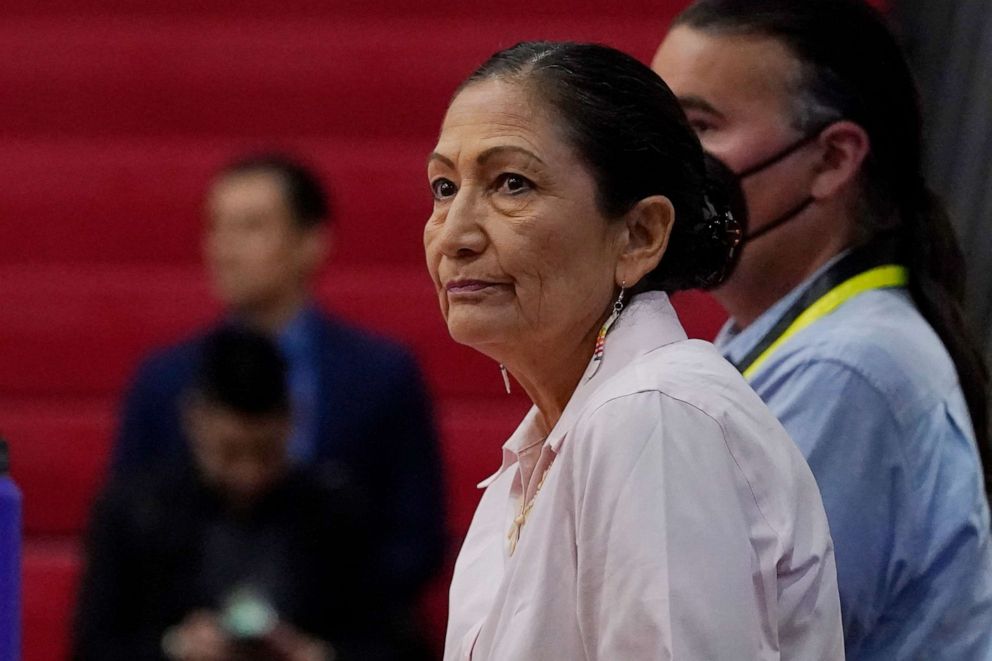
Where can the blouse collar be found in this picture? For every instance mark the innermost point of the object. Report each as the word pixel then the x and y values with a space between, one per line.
pixel 647 323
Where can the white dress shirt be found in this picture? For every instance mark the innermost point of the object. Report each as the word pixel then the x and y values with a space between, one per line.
pixel 676 520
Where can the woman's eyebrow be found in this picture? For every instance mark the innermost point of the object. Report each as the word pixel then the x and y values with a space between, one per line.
pixel 435 156
pixel 501 149
pixel 486 155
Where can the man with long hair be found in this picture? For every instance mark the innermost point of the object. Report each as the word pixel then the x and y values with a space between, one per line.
pixel 846 306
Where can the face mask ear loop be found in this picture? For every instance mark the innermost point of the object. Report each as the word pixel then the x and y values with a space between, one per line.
pixel 778 156
pixel 781 220
pixel 769 162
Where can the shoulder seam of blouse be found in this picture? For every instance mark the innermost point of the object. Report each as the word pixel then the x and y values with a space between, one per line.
pixel 740 469
pixel 723 434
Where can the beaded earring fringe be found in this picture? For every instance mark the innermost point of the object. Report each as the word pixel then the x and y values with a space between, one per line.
pixel 597 354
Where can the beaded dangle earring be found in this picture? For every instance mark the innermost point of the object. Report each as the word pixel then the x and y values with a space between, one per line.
pixel 597 354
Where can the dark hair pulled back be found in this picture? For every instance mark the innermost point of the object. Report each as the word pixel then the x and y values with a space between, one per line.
pixel 853 68
pixel 630 131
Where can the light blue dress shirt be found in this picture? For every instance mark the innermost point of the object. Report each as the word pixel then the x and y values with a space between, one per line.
pixel 871 397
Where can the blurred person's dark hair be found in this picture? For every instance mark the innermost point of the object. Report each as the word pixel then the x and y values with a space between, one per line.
pixel 852 68
pixel 306 197
pixel 242 370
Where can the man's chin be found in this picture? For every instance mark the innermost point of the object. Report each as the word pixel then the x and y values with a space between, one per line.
pixel 240 301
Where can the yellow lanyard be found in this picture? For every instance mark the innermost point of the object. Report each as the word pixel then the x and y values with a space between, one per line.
pixel 880 277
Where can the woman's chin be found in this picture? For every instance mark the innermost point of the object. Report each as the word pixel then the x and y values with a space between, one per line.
pixel 476 331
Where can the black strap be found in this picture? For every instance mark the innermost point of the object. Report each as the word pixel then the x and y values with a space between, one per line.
pixel 781 155
pixel 781 220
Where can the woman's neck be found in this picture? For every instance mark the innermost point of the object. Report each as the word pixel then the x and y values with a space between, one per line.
pixel 550 377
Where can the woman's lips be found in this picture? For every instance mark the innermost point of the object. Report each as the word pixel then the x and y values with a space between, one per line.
pixel 455 287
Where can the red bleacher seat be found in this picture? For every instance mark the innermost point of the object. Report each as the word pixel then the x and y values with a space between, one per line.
pixel 149 195
pixel 58 455
pixel 50 574
pixel 473 432
pixel 700 314
pixel 398 10
pixel 70 331
pixel 355 76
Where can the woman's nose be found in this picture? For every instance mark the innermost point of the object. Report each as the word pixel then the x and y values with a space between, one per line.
pixel 462 234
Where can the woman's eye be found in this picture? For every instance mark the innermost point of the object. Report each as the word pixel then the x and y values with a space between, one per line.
pixel 513 184
pixel 443 188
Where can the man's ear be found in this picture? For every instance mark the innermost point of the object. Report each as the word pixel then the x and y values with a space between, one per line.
pixel 844 148
pixel 317 245
pixel 647 227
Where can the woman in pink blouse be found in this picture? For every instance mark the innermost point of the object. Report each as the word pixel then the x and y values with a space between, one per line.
pixel 648 506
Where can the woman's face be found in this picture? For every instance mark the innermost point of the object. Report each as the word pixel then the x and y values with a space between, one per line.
pixel 522 258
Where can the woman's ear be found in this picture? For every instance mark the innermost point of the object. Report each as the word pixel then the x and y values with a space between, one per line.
pixel 648 225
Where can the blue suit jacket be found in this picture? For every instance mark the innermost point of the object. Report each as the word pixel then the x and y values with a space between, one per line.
pixel 374 420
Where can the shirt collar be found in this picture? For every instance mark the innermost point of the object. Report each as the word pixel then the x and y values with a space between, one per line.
pixel 735 343
pixel 295 337
pixel 648 322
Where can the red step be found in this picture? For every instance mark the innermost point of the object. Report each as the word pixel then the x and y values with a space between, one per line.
pixel 141 201
pixel 473 433
pixel 59 451
pixel 50 574
pixel 322 8
pixel 264 78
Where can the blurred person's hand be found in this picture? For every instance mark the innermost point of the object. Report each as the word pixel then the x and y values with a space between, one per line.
pixel 290 644
pixel 198 638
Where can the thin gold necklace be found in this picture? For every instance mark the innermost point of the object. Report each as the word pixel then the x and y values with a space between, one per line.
pixel 518 522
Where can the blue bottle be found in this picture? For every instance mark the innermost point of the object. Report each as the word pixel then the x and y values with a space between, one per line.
pixel 10 561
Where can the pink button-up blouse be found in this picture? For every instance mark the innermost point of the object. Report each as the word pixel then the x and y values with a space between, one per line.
pixel 676 520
